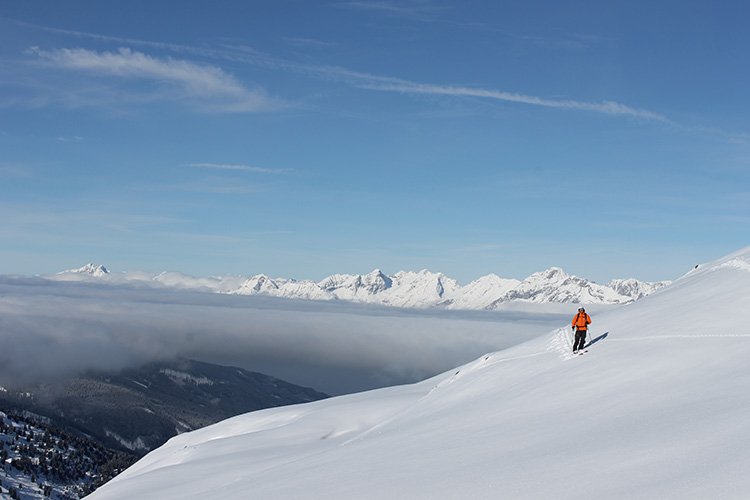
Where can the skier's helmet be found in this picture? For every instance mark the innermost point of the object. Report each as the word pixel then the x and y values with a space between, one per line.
pixel 581 308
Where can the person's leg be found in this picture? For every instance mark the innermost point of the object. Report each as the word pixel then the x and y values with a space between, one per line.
pixel 580 340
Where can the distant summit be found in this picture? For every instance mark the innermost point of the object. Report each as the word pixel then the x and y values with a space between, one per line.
pixel 95 270
pixel 407 289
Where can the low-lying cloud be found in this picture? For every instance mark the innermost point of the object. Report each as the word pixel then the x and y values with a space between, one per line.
pixel 50 330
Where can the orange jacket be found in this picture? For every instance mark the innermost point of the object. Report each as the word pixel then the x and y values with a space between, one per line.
pixel 581 321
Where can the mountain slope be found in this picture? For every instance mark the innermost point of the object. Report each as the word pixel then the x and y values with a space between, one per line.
pixel 138 409
pixel 656 409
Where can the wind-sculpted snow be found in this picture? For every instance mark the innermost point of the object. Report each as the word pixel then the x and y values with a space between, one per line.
pixel 657 408
pixel 423 289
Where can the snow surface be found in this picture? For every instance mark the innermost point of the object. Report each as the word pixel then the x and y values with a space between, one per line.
pixel 658 408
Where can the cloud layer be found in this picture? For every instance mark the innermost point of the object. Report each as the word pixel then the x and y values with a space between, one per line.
pixel 49 330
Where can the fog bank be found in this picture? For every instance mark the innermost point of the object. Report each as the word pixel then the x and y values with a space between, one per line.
pixel 51 329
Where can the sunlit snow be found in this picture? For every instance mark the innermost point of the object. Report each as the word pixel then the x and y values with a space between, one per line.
pixel 657 408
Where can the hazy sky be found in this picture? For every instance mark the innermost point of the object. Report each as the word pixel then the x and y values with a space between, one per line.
pixel 302 138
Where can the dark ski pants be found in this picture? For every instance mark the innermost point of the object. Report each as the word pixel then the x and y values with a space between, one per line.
pixel 580 340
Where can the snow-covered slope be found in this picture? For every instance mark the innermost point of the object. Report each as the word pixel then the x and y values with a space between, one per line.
pixel 658 408
pixel 408 289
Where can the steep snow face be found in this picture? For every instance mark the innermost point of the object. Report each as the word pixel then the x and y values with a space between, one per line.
pixel 420 289
pixel 635 289
pixel 307 290
pixel 258 284
pixel 644 413
pixel 356 287
pixel 482 292
pixel 281 287
pixel 555 285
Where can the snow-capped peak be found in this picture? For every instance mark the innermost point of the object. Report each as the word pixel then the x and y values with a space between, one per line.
pixel 95 270
pixel 260 283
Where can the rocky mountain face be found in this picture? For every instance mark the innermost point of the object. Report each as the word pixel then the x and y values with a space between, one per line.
pixel 422 289
pixel 139 409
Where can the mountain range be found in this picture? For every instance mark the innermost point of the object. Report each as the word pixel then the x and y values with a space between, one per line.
pixel 406 289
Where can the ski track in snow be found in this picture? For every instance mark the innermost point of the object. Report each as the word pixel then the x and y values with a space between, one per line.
pixel 562 343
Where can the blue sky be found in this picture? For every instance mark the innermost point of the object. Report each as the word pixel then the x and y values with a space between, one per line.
pixel 301 138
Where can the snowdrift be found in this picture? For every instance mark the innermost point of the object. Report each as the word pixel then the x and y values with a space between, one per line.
pixel 659 407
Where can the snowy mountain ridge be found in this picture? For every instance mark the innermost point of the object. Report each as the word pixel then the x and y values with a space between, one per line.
pixel 644 413
pixel 406 289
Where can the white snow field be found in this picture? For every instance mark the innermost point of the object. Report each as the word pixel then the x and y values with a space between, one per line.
pixel 659 408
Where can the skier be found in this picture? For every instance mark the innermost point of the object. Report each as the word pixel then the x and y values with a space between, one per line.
pixel 580 326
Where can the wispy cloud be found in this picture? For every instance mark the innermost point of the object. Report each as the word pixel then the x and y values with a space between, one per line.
pixel 307 42
pixel 390 84
pixel 606 107
pixel 216 186
pixel 420 10
pixel 381 83
pixel 215 89
pixel 172 47
pixel 239 167
pixel 740 139
pixel 13 171
pixel 74 138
